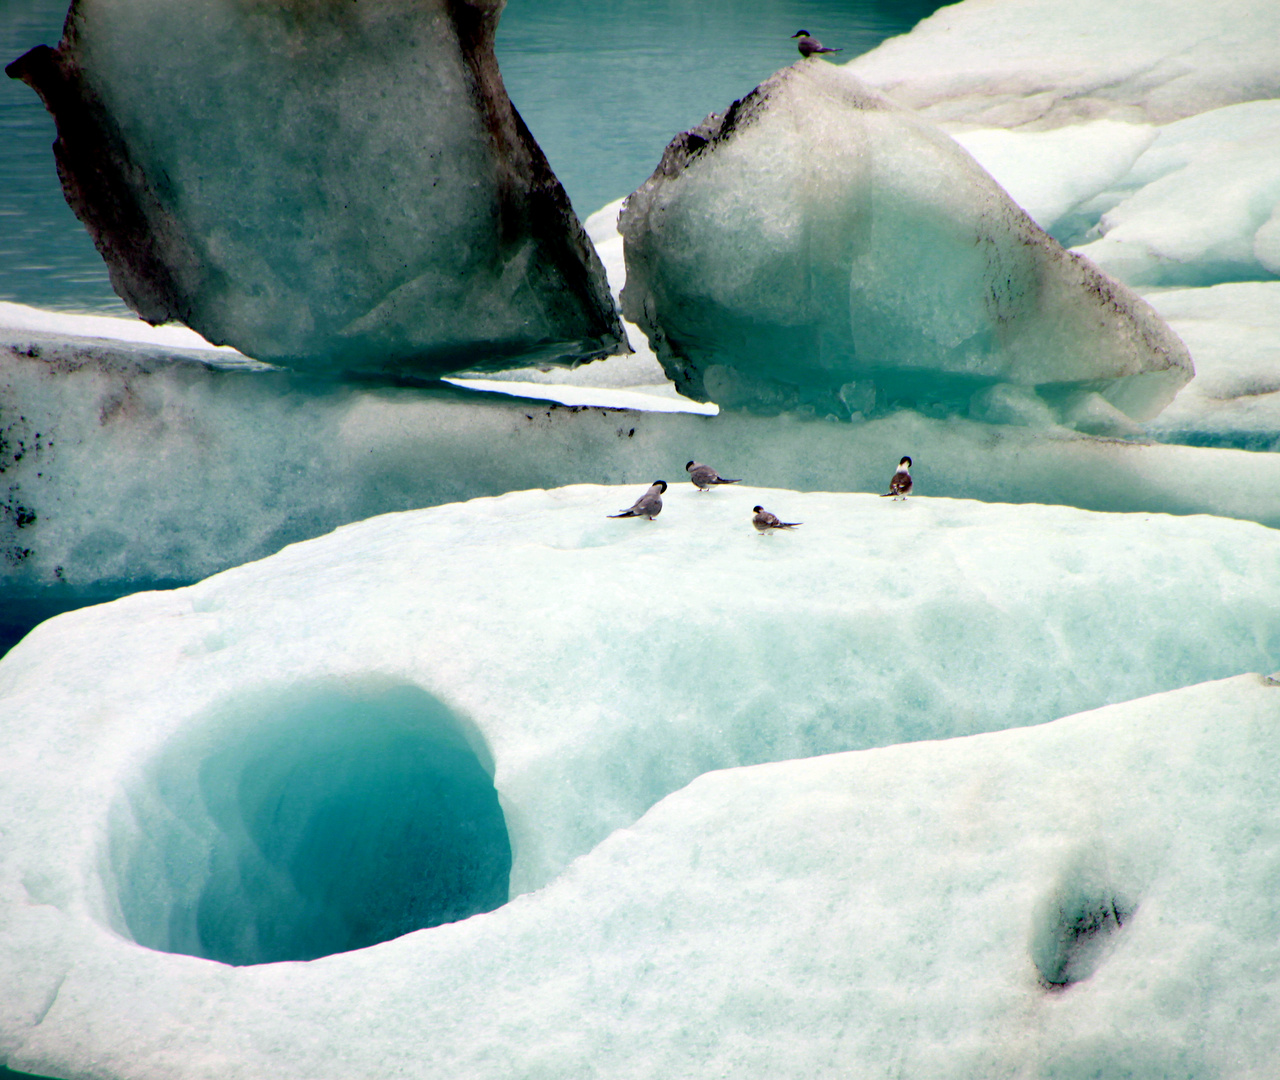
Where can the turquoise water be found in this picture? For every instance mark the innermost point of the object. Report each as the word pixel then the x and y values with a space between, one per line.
pixel 603 85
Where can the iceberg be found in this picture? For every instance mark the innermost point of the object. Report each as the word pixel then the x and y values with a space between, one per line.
pixel 688 882
pixel 332 188
pixel 817 247
pixel 130 466
pixel 1144 138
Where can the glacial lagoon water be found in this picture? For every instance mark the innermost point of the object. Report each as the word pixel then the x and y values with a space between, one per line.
pixel 602 86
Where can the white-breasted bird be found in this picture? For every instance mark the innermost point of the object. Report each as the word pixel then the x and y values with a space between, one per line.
pixel 900 483
pixel 810 46
pixel 705 476
pixel 649 505
pixel 765 521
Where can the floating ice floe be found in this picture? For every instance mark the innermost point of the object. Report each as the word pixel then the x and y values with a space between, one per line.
pixel 1191 202
pixel 292 758
pixel 819 246
pixel 126 468
pixel 1044 64
pixel 1056 176
pixel 335 189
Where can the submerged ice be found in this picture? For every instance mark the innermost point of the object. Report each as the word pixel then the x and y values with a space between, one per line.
pixel 819 246
pixel 333 187
pixel 301 755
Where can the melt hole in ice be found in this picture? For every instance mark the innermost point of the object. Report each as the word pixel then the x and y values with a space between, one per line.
pixel 1076 928
pixel 308 822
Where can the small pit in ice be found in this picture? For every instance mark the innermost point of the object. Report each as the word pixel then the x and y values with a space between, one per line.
pixel 310 822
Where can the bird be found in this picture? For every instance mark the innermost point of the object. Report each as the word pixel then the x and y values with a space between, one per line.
pixel 900 483
pixel 704 476
pixel 765 521
pixel 649 505
pixel 809 46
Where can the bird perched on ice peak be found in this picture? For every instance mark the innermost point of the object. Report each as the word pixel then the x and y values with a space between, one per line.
pixel 766 522
pixel 705 476
pixel 810 46
pixel 900 483
pixel 649 505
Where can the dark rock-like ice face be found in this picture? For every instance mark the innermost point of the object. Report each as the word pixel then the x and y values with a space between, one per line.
pixel 818 247
pixel 333 187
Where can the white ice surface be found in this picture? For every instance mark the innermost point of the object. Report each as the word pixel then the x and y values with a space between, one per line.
pixel 1050 174
pixel 1045 63
pixel 105 327
pixel 1233 332
pixel 898 907
pixel 1200 204
pixel 621 382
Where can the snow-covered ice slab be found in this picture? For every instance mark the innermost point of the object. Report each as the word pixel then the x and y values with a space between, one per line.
pixel 1045 64
pixel 819 247
pixel 332 187
pixel 129 469
pixel 1086 892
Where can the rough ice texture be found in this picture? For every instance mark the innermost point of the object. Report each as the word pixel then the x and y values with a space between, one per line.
pixel 1200 206
pixel 126 468
pixel 1233 332
pixel 1164 177
pixel 819 247
pixel 1057 900
pixel 1044 63
pixel 334 187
